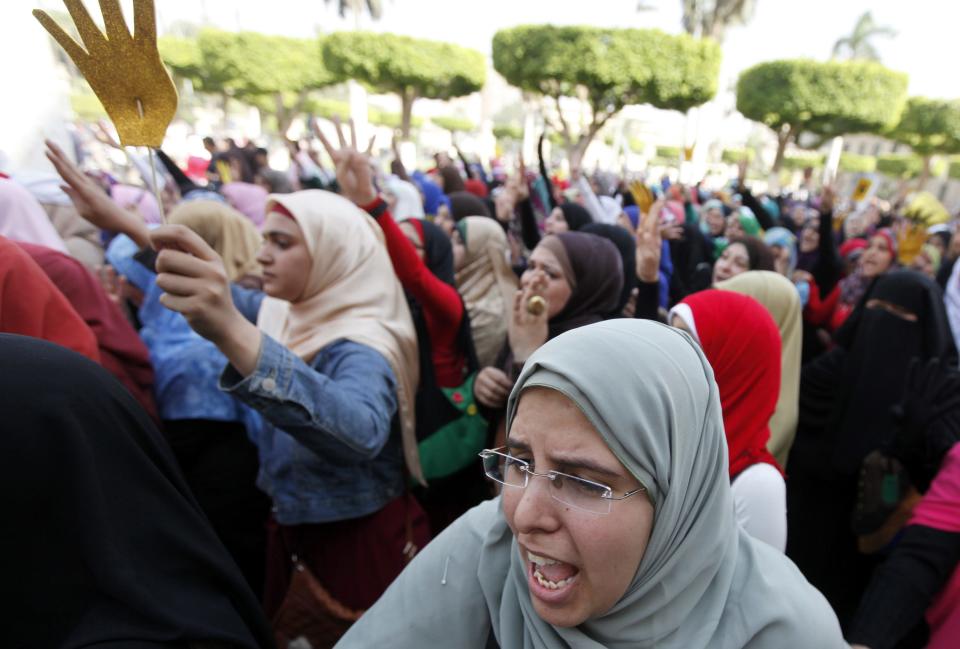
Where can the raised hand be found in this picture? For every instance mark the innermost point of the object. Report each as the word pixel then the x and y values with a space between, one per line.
pixel 124 71
pixel 528 328
pixel 671 231
pixel 649 244
pixel 92 202
pixel 523 190
pixel 354 174
pixel 196 285
pixel 395 145
pixel 828 197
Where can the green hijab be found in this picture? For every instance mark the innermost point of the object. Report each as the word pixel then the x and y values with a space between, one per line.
pixel 702 581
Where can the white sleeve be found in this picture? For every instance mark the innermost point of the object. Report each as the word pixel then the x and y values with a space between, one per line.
pixel 760 497
pixel 590 200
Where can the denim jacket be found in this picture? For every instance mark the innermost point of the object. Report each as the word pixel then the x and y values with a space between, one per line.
pixel 330 444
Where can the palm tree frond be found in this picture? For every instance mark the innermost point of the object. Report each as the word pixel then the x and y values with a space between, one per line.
pixel 859 42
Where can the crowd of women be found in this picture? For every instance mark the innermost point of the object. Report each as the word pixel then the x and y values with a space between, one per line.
pixel 313 403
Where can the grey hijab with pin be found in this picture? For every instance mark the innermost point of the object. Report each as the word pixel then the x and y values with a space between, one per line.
pixel 702 581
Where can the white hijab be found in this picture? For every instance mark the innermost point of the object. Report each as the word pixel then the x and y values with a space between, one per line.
pixel 409 203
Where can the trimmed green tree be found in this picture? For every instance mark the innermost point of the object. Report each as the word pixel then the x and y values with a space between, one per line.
pixel 454 124
pixel 800 161
pixel 953 171
pixel 825 99
pixel 211 62
pixel 929 127
pixel 668 152
pixel 274 73
pixel 412 68
pixel 899 165
pixel 735 156
pixel 508 132
pixel 282 69
pixel 606 69
pixel 856 163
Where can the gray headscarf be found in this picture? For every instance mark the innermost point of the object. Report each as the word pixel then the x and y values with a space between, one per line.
pixel 702 581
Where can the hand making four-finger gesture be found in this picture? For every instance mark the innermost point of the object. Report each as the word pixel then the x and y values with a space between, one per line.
pixel 649 244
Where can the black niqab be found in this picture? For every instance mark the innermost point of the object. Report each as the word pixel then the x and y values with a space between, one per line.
pixel 879 348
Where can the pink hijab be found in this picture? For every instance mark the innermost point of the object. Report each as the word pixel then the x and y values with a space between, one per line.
pixel 940 509
pixel 248 199
pixel 22 218
pixel 139 198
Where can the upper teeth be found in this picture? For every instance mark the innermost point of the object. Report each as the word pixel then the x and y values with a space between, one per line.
pixel 541 561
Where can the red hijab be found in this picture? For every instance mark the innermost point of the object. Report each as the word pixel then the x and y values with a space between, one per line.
pixel 742 343
pixel 30 305
pixel 476 187
pixel 122 352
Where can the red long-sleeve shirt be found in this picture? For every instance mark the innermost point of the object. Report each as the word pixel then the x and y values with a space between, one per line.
pixel 441 304
pixel 827 312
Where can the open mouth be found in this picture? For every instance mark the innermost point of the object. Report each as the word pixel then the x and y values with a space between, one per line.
pixel 550 579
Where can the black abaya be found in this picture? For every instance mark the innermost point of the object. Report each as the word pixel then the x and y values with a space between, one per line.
pixel 104 545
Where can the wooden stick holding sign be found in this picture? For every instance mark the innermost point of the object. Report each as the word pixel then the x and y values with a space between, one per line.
pixel 124 70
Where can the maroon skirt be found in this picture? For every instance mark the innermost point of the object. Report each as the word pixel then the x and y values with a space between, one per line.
pixel 355 560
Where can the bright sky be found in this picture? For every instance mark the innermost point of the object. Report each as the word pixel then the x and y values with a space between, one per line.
pixel 780 28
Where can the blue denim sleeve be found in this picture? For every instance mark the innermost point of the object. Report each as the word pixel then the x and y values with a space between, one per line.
pixel 341 408
pixel 247 301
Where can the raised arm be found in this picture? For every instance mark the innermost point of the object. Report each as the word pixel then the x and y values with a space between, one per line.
pixel 544 174
pixel 827 271
pixel 92 202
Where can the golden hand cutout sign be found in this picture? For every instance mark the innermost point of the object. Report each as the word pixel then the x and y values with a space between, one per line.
pixel 124 71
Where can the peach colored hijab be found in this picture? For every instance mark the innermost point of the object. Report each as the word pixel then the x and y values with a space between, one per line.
pixel 352 293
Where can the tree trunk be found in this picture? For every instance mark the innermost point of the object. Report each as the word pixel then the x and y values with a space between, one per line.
pixel 284 116
pixel 406 98
pixel 924 173
pixel 783 139
pixel 225 99
pixel 576 149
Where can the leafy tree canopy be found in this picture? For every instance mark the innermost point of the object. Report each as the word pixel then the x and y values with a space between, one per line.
pixel 825 98
pixel 855 163
pixel 393 63
pixel 611 67
pixel 899 165
pixel 929 126
pixel 454 124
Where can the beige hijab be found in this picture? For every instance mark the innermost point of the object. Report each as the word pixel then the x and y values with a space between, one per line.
pixel 352 294
pixel 779 296
pixel 487 285
pixel 225 230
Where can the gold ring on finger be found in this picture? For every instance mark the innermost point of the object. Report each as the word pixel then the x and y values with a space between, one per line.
pixel 536 305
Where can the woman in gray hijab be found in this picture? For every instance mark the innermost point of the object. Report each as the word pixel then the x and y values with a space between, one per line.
pixel 616 525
